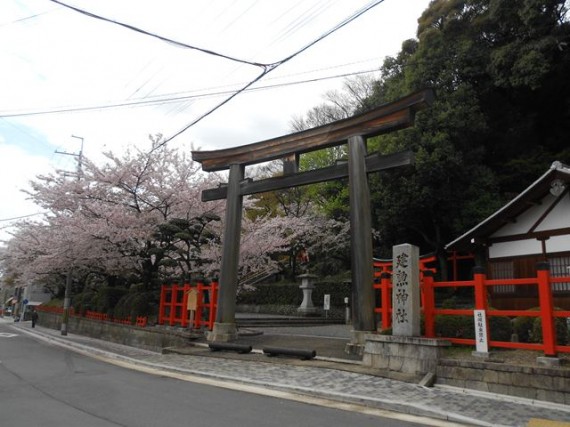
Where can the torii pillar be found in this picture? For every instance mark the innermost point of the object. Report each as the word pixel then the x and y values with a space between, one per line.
pixel 362 269
pixel 225 327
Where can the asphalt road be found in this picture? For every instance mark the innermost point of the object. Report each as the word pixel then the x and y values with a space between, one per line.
pixel 45 385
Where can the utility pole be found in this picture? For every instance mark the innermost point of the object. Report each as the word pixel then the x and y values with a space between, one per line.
pixel 66 303
pixel 79 158
pixel 67 297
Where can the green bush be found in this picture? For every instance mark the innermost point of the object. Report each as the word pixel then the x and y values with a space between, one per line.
pixel 501 328
pixel 87 300
pixel 290 294
pixel 271 294
pixel 561 328
pixel 523 326
pixel 337 291
pixel 135 304
pixel 529 329
pixel 107 298
pixel 455 326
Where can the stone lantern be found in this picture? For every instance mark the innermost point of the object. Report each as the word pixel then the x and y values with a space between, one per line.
pixel 307 308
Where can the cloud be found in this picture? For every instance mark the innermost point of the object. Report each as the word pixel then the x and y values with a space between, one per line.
pixel 54 57
pixel 17 169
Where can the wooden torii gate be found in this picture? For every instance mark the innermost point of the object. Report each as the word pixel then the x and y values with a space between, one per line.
pixel 386 118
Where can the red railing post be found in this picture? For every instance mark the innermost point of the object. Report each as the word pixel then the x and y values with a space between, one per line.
pixel 385 279
pixel 184 309
pixel 200 305
pixel 162 305
pixel 213 304
pixel 173 298
pixel 479 278
pixel 429 304
pixel 546 308
pixel 209 306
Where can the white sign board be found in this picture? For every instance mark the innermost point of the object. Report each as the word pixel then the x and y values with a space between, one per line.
pixel 192 302
pixel 327 302
pixel 481 343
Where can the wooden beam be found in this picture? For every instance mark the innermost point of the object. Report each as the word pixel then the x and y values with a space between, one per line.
pixel 362 269
pixel 386 118
pixel 230 251
pixel 291 164
pixel 374 163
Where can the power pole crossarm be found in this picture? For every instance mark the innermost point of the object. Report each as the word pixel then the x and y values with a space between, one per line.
pixel 78 156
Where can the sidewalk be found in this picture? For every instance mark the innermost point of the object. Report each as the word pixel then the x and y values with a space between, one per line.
pixel 325 377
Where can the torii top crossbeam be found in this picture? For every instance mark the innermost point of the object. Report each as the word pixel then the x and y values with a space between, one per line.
pixel 383 119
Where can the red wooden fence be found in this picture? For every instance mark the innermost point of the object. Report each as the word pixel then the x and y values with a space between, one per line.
pixel 481 284
pixel 140 321
pixel 173 308
pixel 382 274
pixel 385 266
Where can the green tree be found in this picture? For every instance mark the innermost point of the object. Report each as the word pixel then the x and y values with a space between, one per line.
pixel 178 243
pixel 498 68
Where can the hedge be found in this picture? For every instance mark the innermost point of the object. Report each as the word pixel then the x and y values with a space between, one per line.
pixel 500 328
pixel 289 294
pixel 529 329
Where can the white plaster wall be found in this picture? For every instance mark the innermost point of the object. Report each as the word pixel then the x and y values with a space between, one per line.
pixel 526 220
pixel 516 248
pixel 558 244
pixel 559 217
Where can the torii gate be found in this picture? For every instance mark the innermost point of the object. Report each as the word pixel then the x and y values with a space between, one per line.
pixel 386 118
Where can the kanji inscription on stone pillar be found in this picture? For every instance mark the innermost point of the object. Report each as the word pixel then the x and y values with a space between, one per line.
pixel 405 291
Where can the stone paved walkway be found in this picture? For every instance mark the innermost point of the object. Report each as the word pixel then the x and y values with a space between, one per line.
pixel 328 380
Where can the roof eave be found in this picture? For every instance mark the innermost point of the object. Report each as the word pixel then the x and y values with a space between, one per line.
pixel 465 241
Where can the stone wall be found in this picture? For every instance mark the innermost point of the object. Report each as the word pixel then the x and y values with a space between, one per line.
pixel 408 355
pixel 547 384
pixel 150 338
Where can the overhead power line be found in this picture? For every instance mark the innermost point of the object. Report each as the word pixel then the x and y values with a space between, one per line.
pixel 266 67
pixel 165 100
pixel 273 67
pixel 25 18
pixel 157 36
pixel 20 217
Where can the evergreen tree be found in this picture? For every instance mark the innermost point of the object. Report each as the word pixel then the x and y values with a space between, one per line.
pixel 501 116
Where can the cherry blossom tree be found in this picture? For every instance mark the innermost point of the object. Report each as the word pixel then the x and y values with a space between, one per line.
pixel 139 218
pixel 106 220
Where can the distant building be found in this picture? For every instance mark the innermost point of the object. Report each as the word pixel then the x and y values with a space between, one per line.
pixel 26 297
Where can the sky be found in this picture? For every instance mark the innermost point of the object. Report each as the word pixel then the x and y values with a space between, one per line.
pixel 72 82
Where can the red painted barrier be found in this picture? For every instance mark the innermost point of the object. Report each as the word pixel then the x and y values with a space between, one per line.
pixel 383 285
pixel 173 309
pixel 481 284
pixel 141 321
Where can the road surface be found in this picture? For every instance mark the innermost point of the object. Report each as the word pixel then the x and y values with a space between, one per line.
pixel 45 385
